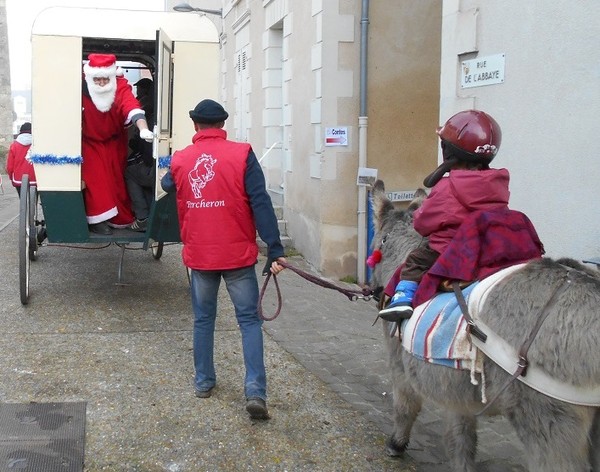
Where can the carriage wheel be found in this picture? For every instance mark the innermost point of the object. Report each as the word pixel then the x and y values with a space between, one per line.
pixel 24 246
pixel 157 249
pixel 33 242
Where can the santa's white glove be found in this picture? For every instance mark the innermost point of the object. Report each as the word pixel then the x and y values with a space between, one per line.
pixel 146 135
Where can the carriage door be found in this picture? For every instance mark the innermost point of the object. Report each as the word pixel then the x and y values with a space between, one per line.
pixel 164 94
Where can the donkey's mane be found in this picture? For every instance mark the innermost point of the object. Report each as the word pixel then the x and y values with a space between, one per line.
pixel 574 264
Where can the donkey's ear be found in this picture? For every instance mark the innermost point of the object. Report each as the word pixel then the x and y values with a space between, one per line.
pixel 379 186
pixel 420 195
pixel 381 204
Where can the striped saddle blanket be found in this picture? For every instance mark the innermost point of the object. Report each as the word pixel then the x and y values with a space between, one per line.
pixel 437 333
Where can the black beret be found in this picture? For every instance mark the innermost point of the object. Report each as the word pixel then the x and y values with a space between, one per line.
pixel 208 111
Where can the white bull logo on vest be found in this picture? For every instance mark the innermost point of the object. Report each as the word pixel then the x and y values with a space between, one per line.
pixel 201 174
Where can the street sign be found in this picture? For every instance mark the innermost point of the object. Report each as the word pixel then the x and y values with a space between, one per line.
pixel 482 71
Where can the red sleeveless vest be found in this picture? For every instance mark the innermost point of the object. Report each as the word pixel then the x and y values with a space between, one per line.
pixel 215 218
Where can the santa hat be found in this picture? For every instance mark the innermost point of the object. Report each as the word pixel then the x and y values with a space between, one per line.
pixel 101 65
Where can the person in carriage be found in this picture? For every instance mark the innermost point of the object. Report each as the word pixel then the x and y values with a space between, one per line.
pixel 108 108
pixel 140 173
pixel 470 229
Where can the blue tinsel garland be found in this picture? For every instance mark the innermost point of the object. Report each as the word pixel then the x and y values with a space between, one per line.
pixel 55 160
pixel 164 162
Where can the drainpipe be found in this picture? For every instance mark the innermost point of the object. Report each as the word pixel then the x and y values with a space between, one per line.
pixel 361 252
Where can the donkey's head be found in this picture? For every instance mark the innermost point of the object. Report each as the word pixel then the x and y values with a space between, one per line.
pixel 385 215
pixel 394 236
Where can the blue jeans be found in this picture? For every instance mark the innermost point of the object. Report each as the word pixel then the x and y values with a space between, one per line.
pixel 242 286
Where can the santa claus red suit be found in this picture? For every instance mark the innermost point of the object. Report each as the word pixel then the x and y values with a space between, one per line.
pixel 108 108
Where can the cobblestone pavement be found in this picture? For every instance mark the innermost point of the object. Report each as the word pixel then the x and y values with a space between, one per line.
pixel 126 350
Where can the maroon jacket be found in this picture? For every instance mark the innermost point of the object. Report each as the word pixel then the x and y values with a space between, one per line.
pixel 454 198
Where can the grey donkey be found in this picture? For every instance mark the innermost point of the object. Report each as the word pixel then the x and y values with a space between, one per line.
pixel 557 436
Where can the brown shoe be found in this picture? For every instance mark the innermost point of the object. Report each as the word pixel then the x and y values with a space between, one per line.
pixel 257 408
pixel 101 228
pixel 204 393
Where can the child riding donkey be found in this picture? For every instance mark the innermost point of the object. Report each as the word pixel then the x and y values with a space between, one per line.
pixel 470 229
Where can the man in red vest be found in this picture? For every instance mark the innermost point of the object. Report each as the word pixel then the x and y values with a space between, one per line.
pixel 221 202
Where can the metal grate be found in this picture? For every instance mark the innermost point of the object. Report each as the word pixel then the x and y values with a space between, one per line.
pixel 47 437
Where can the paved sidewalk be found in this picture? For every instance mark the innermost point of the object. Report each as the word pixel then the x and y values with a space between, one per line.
pixel 339 421
pixel 334 338
pixel 9 206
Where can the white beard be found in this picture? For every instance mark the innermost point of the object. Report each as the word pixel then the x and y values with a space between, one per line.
pixel 103 97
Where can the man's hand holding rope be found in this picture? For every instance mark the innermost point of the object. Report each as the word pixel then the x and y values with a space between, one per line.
pixel 273 266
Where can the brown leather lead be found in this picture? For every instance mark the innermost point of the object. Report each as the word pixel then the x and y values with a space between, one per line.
pixel 353 295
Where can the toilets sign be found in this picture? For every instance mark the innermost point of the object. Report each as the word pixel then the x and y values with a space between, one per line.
pixel 482 71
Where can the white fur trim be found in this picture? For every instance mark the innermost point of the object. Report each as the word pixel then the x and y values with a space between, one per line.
pixel 132 113
pixel 100 71
pixel 107 215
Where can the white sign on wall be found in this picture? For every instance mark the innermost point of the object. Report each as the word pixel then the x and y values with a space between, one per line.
pixel 336 136
pixel 366 176
pixel 401 195
pixel 482 71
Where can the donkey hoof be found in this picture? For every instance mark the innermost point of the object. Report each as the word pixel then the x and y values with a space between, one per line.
pixel 394 448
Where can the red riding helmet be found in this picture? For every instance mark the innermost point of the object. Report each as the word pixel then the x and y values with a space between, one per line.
pixel 474 132
pixel 471 136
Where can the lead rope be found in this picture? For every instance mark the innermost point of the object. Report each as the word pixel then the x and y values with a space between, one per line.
pixel 353 295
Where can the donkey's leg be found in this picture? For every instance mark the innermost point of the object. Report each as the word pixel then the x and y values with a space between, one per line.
pixel 461 441
pixel 406 401
pixel 407 405
pixel 595 443
pixel 556 435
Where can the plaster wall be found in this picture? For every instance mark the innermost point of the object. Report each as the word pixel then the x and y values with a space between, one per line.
pixel 321 193
pixel 303 60
pixel 547 107
pixel 403 95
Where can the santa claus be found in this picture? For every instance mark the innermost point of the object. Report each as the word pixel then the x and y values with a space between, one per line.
pixel 108 108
